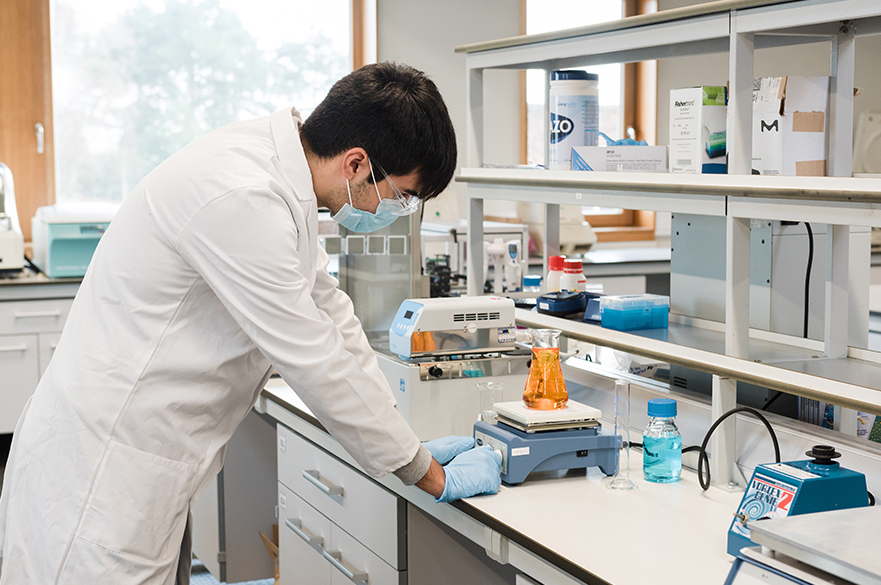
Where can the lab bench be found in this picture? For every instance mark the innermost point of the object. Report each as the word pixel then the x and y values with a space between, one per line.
pixel 33 309
pixel 554 528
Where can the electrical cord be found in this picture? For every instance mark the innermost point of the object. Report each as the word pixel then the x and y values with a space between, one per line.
pixel 702 456
pixel 808 276
pixel 774 398
pixel 31 265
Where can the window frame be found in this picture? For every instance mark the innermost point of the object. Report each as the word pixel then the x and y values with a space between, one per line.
pixel 640 105
pixel 363 39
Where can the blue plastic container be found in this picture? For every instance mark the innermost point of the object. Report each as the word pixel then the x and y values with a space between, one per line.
pixel 632 312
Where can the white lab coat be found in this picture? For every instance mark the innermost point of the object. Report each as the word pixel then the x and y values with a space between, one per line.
pixel 209 275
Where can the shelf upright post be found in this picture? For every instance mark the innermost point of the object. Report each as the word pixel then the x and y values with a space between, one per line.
pixel 840 137
pixel 476 276
pixel 723 466
pixel 474 116
pixel 840 140
pixel 551 235
pixel 740 100
pixel 474 157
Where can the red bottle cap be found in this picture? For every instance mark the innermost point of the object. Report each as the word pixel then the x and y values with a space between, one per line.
pixel 556 262
pixel 572 267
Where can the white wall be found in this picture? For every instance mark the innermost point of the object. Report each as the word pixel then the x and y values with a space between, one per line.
pixel 424 34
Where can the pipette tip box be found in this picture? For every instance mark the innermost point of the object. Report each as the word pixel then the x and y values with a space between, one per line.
pixel 633 312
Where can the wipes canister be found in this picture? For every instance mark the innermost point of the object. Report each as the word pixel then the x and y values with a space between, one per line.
pixel 575 115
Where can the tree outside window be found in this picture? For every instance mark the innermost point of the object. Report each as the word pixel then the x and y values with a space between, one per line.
pixel 134 81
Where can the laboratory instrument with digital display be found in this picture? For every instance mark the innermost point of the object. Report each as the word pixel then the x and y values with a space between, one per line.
pixel 439 349
pixel 531 440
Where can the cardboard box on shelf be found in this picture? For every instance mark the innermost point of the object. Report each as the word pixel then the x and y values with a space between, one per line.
pixel 790 125
pixel 698 138
pixel 651 159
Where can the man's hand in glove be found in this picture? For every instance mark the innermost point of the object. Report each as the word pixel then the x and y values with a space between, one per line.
pixel 446 448
pixel 476 471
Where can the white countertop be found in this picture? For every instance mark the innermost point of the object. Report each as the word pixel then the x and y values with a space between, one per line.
pixel 660 533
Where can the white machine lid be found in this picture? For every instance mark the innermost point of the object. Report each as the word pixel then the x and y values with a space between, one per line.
pixel 519 412
pixel 78 212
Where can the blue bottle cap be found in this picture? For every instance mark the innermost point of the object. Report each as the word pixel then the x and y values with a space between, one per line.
pixel 662 407
pixel 531 280
pixel 576 74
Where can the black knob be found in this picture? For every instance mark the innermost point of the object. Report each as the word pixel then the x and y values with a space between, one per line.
pixel 435 372
pixel 823 454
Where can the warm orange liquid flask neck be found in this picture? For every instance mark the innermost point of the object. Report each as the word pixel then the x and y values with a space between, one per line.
pixel 545 387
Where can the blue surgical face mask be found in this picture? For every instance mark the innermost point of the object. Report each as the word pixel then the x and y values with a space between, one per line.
pixel 361 221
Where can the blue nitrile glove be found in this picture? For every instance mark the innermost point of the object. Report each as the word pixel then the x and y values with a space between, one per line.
pixel 474 472
pixel 623 141
pixel 446 448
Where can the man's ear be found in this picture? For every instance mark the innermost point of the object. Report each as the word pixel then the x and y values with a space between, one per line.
pixel 354 164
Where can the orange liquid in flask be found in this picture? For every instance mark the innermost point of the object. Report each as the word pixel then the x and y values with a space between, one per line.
pixel 545 388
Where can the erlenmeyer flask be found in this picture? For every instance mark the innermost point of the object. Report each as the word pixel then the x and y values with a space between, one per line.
pixel 545 388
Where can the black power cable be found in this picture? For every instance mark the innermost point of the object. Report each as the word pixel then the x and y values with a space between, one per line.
pixel 702 456
pixel 774 398
pixel 808 276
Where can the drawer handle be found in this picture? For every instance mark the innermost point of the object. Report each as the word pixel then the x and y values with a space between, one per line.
pixel 11 348
pixel 335 558
pixel 37 314
pixel 313 477
pixel 296 525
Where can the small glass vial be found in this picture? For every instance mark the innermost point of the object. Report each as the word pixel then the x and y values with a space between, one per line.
pixel 532 283
pixel 662 443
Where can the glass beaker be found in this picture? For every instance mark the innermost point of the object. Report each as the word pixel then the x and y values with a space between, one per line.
pixel 545 388
pixel 488 393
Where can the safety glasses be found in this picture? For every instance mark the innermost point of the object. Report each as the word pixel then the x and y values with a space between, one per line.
pixel 408 203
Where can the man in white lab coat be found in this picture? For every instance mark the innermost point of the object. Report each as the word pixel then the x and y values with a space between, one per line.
pixel 209 276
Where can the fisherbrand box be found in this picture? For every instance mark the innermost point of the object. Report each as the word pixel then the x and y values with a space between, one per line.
pixel 789 125
pixel 698 138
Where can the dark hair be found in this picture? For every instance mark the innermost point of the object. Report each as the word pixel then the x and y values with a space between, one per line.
pixel 396 114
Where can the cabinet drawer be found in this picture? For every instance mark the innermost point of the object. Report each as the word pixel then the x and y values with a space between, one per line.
pixel 315 551
pixel 362 507
pixel 19 373
pixel 354 563
pixel 303 534
pixel 42 316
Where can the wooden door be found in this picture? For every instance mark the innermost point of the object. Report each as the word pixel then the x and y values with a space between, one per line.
pixel 25 101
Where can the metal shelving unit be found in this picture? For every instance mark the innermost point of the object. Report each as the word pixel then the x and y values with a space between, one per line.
pixel 830 370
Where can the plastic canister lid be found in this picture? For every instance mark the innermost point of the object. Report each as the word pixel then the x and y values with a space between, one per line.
pixel 662 407
pixel 573 75
pixel 572 266
pixel 556 262
pixel 532 280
